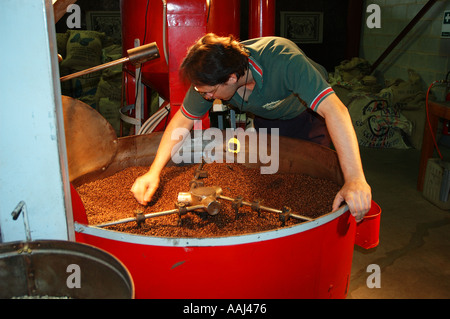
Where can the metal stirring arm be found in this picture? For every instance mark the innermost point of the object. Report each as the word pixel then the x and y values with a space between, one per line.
pixel 285 213
pixel 205 198
pixel 141 217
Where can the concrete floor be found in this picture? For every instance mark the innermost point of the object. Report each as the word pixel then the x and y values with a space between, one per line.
pixel 414 250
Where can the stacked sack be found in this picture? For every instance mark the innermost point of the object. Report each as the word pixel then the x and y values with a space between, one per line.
pixel 109 88
pixel 83 51
pixel 409 97
pixel 102 89
pixel 383 117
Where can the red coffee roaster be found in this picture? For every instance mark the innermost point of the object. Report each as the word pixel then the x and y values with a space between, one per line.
pixel 309 260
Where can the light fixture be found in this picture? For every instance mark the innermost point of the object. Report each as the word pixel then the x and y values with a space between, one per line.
pixel 136 56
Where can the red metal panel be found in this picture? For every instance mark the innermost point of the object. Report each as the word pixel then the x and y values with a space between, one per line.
pixel 186 24
pixel 368 230
pixel 79 213
pixel 135 26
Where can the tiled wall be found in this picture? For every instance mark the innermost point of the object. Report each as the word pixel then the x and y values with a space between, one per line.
pixel 422 49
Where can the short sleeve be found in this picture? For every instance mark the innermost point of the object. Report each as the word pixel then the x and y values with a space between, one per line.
pixel 194 105
pixel 303 78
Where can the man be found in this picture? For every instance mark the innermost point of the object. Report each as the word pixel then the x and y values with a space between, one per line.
pixel 273 79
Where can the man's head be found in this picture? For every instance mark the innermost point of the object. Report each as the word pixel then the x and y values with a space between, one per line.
pixel 212 60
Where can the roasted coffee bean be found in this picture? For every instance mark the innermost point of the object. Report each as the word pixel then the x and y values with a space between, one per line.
pixel 110 199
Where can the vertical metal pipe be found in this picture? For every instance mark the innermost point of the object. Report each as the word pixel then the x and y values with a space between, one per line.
pixel 261 18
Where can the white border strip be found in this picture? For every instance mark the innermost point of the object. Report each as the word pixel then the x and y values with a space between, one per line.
pixel 210 241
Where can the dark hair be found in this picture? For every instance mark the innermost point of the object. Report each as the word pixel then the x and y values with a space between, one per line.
pixel 212 59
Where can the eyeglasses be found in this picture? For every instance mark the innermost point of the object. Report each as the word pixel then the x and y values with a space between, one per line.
pixel 211 93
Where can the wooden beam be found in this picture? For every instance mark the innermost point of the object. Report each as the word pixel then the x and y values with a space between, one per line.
pixel 60 8
pixel 402 34
pixel 354 22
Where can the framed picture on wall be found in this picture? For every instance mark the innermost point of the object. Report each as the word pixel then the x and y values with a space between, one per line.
pixel 105 21
pixel 302 27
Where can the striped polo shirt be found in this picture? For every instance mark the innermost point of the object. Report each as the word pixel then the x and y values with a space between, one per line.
pixel 287 82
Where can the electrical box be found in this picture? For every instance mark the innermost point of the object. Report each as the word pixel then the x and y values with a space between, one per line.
pixel 446 25
pixel 437 183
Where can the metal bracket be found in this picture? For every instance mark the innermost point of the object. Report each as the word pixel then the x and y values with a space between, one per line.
pixel 198 174
pixel 140 218
pixel 182 210
pixel 256 207
pixel 284 215
pixel 237 203
pixel 22 207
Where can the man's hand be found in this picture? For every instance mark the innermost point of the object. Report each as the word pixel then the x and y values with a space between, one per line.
pixel 145 187
pixel 357 194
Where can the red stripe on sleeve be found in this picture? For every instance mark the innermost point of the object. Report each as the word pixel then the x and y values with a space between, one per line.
pixel 320 97
pixel 189 115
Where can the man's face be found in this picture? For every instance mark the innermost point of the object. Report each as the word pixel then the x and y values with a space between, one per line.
pixel 223 91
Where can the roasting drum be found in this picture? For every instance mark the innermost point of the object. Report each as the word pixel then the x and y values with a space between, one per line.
pixel 309 260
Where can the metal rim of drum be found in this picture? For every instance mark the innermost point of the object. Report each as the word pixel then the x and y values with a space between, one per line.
pixel 40 268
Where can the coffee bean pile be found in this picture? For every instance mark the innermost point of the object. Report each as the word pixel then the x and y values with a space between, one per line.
pixel 110 199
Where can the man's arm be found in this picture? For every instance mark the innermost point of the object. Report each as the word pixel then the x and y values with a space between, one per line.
pixel 145 186
pixel 355 192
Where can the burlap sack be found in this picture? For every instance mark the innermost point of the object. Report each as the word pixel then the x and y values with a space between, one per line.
pixel 109 109
pixel 61 43
pixel 83 50
pixel 85 84
pixel 406 95
pixel 377 124
pixel 110 84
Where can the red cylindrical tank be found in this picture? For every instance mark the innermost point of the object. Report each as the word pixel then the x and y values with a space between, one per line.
pixel 261 18
pixel 308 260
pixel 224 17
